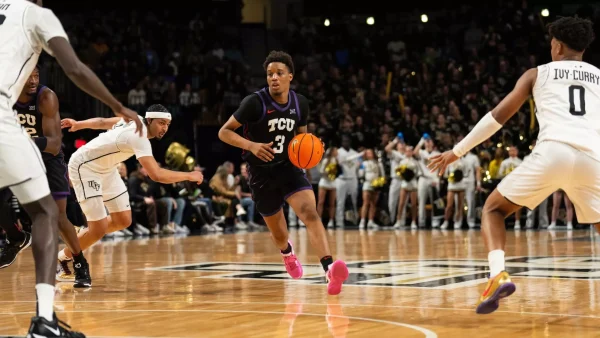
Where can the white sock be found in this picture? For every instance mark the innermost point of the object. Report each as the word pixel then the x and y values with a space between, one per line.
pixel 45 301
pixel 496 260
pixel 62 257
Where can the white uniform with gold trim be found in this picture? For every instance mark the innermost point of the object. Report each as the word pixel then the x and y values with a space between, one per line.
pixel 567 153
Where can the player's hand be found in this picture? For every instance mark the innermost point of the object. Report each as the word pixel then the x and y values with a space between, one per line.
pixel 441 161
pixel 69 123
pixel 129 115
pixel 148 200
pixel 263 151
pixel 196 176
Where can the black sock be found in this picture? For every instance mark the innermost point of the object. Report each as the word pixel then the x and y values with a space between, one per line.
pixel 78 258
pixel 287 250
pixel 13 234
pixel 326 261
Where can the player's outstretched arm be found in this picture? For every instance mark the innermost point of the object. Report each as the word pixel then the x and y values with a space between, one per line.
pixel 490 123
pixel 166 176
pixel 51 142
pixel 228 135
pixel 85 79
pixel 98 123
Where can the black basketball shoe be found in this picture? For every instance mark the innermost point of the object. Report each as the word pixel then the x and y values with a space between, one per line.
pixel 42 328
pixel 9 253
pixel 82 272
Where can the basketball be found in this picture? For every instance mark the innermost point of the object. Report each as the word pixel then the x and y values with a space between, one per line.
pixel 305 151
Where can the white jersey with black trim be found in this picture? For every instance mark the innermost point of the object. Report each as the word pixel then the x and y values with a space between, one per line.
pixel 567 98
pixel 105 152
pixel 25 29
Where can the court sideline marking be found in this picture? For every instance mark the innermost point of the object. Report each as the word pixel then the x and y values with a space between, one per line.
pixel 426 332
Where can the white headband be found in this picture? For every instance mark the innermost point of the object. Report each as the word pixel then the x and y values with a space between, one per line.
pixel 158 115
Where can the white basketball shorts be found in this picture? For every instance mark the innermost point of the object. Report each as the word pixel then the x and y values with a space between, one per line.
pixel 21 166
pixel 553 166
pixel 89 185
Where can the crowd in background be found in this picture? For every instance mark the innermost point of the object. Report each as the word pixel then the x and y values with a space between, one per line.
pixel 370 86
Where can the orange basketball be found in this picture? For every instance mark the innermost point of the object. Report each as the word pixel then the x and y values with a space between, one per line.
pixel 305 151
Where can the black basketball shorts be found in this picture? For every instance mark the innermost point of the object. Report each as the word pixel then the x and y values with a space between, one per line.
pixel 272 185
pixel 56 172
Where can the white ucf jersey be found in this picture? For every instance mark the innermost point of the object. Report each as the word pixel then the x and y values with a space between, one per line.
pixel 567 98
pixel 25 29
pixel 567 154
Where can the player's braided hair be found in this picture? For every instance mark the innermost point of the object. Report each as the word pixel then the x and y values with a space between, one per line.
pixel 575 32
pixel 279 56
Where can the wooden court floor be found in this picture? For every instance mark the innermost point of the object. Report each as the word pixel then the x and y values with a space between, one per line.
pixel 402 284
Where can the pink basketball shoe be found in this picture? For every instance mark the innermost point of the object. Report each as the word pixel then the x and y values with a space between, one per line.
pixel 336 276
pixel 292 264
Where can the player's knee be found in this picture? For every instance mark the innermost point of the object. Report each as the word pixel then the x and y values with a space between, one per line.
pixel 308 212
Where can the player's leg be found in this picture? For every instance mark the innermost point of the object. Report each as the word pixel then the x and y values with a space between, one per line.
pixel 303 202
pixel 25 174
pixel 297 192
pixel 17 239
pixel 527 186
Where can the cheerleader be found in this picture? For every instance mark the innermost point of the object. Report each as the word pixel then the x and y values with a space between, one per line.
pixel 556 206
pixel 455 172
pixel 329 172
pixel 371 170
pixel 408 188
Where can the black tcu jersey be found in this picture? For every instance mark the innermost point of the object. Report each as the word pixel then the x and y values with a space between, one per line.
pixel 265 121
pixel 30 117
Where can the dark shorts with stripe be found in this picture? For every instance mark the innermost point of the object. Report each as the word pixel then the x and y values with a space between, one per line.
pixel 56 172
pixel 272 185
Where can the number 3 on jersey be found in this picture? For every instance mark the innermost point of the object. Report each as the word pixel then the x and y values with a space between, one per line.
pixel 279 141
pixel 577 100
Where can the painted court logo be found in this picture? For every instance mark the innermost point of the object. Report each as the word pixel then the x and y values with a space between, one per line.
pixel 434 274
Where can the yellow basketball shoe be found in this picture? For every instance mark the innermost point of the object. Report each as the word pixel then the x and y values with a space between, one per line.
pixel 497 288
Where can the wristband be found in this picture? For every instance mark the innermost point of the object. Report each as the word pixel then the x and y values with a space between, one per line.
pixel 483 130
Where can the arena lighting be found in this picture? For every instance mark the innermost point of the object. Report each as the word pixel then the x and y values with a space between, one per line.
pixel 327 23
pixel 545 12
pixel 370 21
pixel 424 18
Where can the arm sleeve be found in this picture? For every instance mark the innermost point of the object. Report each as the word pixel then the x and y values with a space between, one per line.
pixel 304 110
pixel 250 110
pixel 141 145
pixel 42 25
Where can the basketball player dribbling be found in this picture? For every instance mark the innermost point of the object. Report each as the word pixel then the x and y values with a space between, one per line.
pixel 37 112
pixel 567 154
pixel 271 118
pixel 96 180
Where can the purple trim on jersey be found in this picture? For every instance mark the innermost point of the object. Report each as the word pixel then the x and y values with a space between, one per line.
pixel 60 195
pixel 272 213
pixel 264 105
pixel 275 104
pixel 297 105
pixel 297 190
pixel 23 105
